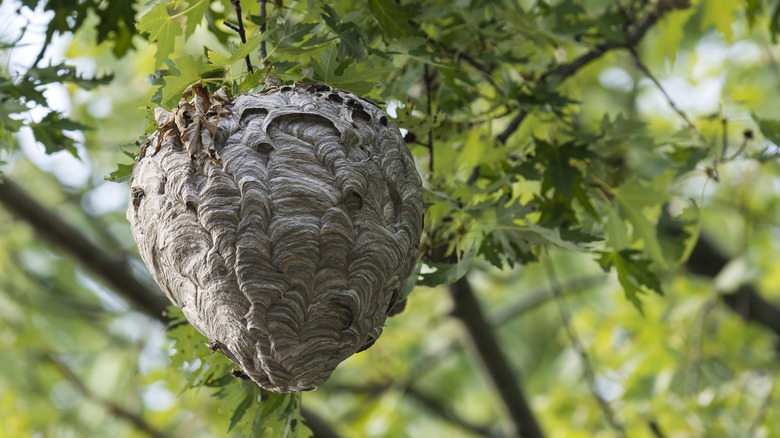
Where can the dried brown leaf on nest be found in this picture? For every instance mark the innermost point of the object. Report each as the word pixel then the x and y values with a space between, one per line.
pixel 284 224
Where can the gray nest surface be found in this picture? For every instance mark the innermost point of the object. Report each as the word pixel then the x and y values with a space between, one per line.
pixel 284 224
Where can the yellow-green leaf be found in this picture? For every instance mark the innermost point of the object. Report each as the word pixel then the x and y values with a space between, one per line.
pixel 162 30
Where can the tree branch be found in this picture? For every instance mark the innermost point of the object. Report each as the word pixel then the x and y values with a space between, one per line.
pixel 115 271
pixel 655 429
pixel 468 311
pixel 560 73
pixel 241 32
pixel 708 261
pixel 319 427
pixel 643 68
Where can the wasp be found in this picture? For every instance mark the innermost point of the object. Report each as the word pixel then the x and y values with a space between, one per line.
pixel 138 194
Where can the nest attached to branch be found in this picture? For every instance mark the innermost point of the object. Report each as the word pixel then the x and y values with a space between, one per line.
pixel 284 224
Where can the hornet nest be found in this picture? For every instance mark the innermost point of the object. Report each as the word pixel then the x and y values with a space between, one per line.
pixel 284 224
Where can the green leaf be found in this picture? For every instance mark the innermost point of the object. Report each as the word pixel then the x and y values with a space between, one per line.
pixel 671 31
pixel 720 14
pixel 244 49
pixel 65 73
pixel 752 10
pixel 678 235
pixel 555 235
pixel 506 239
pixel 770 128
pixel 252 80
pixel 189 69
pixel 359 79
pixel 558 169
pixel 632 198
pixel 352 38
pixel 188 341
pixel 634 274
pixel 49 132
pixel 8 107
pixel 774 23
pixel 617 233
pixel 447 273
pixel 194 13
pixel 411 282
pixel 392 18
pixel 288 34
pixel 121 174
pixel 162 30
pixel 240 411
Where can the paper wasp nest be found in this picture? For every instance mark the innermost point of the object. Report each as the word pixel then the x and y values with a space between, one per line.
pixel 284 224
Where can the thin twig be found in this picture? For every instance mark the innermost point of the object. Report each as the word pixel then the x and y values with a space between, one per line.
pixel 655 428
pixel 746 137
pixel 668 98
pixel 587 367
pixel 694 350
pixel 558 74
pixel 113 408
pixel 485 69
pixel 533 299
pixel 428 78
pixel 263 27
pixel 241 32
pixel 436 407
pixel 762 411
pixel 725 140
pixel 317 424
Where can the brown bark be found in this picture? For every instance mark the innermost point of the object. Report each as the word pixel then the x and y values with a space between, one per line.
pixel 468 310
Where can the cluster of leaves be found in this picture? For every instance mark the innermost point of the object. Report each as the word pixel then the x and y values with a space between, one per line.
pixel 17 97
pixel 115 20
pixel 19 94
pixel 319 46
pixel 252 411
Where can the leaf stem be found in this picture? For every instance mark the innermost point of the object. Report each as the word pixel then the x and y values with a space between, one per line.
pixel 668 98
pixel 766 404
pixel 571 333
pixel 184 12
pixel 428 79
pixel 695 346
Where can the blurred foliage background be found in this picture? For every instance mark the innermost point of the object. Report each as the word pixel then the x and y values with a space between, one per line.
pixel 600 176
